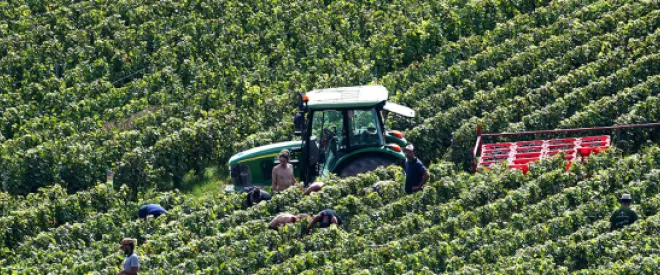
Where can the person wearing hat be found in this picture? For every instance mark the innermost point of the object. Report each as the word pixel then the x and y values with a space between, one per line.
pixel 624 215
pixel 257 195
pixel 151 209
pixel 283 219
pixel 416 173
pixel 131 263
pixel 325 218
pixel 282 176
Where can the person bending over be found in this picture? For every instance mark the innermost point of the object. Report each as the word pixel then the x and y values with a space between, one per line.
pixel 283 219
pixel 256 195
pixel 325 218
pixel 151 209
pixel 314 187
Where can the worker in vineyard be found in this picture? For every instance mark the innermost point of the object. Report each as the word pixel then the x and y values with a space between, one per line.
pixel 257 195
pixel 325 218
pixel 416 173
pixel 283 173
pixel 624 215
pixel 283 219
pixel 314 187
pixel 131 264
pixel 151 209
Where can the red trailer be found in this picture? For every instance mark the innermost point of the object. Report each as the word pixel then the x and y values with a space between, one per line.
pixel 518 155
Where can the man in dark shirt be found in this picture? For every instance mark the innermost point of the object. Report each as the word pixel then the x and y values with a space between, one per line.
pixel 416 173
pixel 257 195
pixel 326 218
pixel 624 215
pixel 151 209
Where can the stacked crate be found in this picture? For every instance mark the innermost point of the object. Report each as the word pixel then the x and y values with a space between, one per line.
pixel 518 155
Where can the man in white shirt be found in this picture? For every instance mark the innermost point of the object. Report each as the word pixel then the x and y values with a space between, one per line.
pixel 131 263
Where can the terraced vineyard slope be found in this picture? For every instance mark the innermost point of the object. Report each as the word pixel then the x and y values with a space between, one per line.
pixel 156 90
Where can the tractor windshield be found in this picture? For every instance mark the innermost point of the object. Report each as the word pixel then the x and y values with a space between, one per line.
pixel 365 132
pixel 328 128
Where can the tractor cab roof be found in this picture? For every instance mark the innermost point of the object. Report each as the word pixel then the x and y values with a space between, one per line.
pixel 346 97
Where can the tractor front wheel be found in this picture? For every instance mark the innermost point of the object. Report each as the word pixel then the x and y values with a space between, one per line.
pixel 363 165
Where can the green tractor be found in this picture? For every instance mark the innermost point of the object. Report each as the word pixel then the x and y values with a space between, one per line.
pixel 342 132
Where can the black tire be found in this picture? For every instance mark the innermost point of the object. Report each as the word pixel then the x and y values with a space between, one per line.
pixel 363 165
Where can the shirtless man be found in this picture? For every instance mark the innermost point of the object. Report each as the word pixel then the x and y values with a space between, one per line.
pixel 283 173
pixel 284 218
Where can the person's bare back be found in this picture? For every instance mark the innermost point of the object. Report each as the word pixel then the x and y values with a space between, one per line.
pixel 314 187
pixel 281 219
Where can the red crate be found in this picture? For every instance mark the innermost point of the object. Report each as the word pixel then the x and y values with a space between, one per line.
pixel 524 161
pixel 567 156
pixel 587 151
pixel 566 152
pixel 496 152
pixel 529 143
pixel 523 167
pixel 488 160
pixel 562 141
pixel 494 158
pixel 495 146
pixel 594 144
pixel 528 155
pixel 561 147
pixel 596 138
pixel 489 163
pixel 532 149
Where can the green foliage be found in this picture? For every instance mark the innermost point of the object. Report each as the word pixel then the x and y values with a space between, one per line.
pixel 158 91
pixel 150 79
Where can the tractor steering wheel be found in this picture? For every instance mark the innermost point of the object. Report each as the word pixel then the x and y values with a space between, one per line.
pixel 329 133
pixel 326 138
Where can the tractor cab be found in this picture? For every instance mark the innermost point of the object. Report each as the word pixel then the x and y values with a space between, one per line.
pixel 342 131
pixel 337 133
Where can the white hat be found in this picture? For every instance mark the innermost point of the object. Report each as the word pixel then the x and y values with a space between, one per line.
pixel 626 197
pixel 410 147
pixel 126 241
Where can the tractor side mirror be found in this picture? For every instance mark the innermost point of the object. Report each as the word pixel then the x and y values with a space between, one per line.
pixel 298 120
pixel 298 123
pixel 300 102
pixel 385 115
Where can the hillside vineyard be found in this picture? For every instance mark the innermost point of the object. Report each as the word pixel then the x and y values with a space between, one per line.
pixel 157 90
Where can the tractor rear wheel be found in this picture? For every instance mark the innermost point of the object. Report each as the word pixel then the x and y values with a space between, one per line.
pixel 363 165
